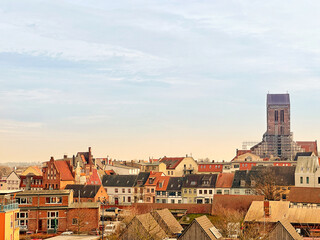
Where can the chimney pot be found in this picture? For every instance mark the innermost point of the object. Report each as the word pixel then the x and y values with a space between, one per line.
pixel 266 206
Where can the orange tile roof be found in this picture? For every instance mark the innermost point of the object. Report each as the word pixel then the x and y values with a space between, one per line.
pixel 155 175
pixel 63 168
pixel 224 180
pixel 164 180
pixel 94 178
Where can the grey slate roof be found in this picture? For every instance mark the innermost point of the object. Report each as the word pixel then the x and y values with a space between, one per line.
pixel 302 154
pixel 199 181
pixel 119 180
pixel 278 99
pixel 175 183
pixel 86 191
pixel 141 179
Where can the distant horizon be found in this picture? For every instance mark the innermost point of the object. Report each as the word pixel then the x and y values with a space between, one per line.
pixel 149 79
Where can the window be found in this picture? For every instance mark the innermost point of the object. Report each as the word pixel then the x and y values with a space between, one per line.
pixel 194 191
pixel 307 180
pixel 129 199
pixel 116 190
pixel 163 193
pixel 301 180
pixel 242 183
pixel 168 172
pixel 152 190
pixel 148 190
pixel 282 116
pixel 123 190
pixel 171 172
pixel 219 191
pixel 179 201
pixel 54 200
pixel 53 221
pixel 210 191
pixel 205 192
pixel 318 180
pixel 190 191
pixel 276 115
pixel 123 199
pixel 226 191
pixel 129 190
pixel 172 200
pixel 158 193
pixel 237 191
pixel 74 221
pixel 179 193
pixel 200 191
pixel 24 200
pixel 148 199
pixel 247 191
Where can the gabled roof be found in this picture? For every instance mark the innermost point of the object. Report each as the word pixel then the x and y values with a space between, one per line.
pixel 309 146
pixel 286 225
pixel 32 169
pixel 175 183
pixel 278 99
pixel 151 226
pixel 224 180
pixel 162 183
pixel 168 219
pixel 304 195
pixel 243 175
pixel 171 162
pixel 200 181
pixel 86 191
pixel 94 178
pixel 141 179
pixel 64 170
pixel 119 180
pixel 205 224
pixel 307 164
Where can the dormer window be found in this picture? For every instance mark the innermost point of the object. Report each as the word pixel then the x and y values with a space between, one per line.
pixel 160 184
pixel 242 183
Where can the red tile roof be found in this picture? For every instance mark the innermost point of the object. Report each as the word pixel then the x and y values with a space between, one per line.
pixel 224 180
pixel 304 195
pixel 164 180
pixel 109 172
pixel 155 175
pixel 64 170
pixel 309 146
pixel 171 162
pixel 94 178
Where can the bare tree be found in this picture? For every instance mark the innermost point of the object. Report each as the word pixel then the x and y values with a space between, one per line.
pixel 266 183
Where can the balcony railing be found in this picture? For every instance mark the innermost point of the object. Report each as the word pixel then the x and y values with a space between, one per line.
pixel 8 207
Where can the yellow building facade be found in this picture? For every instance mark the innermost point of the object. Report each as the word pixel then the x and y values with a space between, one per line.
pixel 9 228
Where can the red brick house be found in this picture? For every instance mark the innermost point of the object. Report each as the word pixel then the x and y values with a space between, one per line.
pixel 57 174
pixel 54 211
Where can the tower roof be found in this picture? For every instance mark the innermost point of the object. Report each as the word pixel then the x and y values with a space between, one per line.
pixel 278 99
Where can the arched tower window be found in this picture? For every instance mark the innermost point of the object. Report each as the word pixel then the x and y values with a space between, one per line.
pixel 276 115
pixel 282 116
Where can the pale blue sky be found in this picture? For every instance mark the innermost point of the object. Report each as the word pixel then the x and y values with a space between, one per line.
pixel 134 79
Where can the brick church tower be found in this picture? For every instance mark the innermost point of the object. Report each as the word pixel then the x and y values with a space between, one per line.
pixel 277 142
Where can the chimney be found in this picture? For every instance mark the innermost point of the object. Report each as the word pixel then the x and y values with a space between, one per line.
pixel 65 156
pixel 266 207
pixel 90 160
pixel 51 159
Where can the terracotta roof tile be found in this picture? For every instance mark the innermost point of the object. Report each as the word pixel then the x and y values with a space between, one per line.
pixel 304 195
pixel 94 178
pixel 224 180
pixel 309 146
pixel 164 180
pixel 64 170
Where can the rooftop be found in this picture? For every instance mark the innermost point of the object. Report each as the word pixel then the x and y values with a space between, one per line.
pixel 278 99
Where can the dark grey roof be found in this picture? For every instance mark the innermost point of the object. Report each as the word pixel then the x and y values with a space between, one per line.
pixel 199 181
pixel 141 179
pixel 86 191
pixel 175 183
pixel 278 99
pixel 302 154
pixel 243 175
pixel 119 180
pixel 284 174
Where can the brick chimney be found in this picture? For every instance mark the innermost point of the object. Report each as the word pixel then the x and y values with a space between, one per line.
pixel 90 162
pixel 266 208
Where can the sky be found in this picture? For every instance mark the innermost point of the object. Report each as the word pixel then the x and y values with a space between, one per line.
pixel 145 78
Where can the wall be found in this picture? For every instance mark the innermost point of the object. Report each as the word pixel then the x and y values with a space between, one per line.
pixel 89 219
pixel 191 208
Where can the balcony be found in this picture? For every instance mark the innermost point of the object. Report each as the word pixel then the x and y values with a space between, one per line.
pixel 188 170
pixel 8 207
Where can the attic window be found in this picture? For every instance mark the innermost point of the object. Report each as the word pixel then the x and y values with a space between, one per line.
pixel 193 183
pixel 242 183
